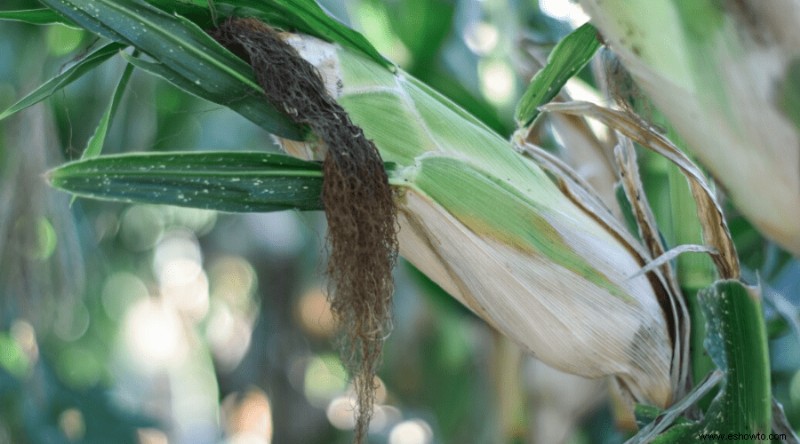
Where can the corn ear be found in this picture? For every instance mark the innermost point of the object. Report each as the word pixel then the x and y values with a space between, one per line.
pixel 726 76
pixel 491 228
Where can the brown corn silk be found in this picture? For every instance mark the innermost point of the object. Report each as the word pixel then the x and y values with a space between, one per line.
pixel 357 198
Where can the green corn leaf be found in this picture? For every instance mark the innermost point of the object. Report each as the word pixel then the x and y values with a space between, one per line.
pixel 737 343
pixel 69 75
pixel 305 16
pixel 191 54
pixel 308 17
pixel 224 181
pixel 95 144
pixel 35 17
pixel 251 106
pixel 567 58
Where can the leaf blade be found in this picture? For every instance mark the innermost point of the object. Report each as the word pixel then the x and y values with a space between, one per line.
pixel 224 181
pixel 95 144
pixel 736 340
pixel 38 16
pixel 306 16
pixel 182 46
pixel 330 28
pixel 58 82
pixel 568 57
pixel 249 106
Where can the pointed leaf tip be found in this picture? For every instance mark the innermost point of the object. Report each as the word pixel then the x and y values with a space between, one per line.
pixel 568 57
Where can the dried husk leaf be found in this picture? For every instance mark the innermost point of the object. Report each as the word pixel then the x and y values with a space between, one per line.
pixel 628 168
pixel 577 190
pixel 558 316
pixel 712 219
pixel 588 156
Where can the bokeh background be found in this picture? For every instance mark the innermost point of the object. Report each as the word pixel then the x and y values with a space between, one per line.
pixel 155 324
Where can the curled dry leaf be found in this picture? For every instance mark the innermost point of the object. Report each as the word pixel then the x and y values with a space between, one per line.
pixel 628 168
pixel 715 228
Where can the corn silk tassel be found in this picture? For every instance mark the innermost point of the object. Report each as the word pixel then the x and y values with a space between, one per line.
pixel 358 201
pixel 539 260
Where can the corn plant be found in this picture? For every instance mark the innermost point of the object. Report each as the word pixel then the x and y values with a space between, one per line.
pixel 508 229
